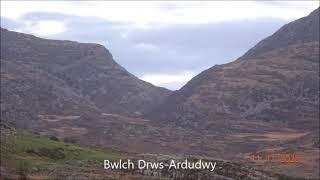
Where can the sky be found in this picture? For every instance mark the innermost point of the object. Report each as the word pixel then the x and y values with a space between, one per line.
pixel 163 42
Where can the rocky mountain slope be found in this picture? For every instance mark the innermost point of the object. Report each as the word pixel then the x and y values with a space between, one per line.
pixel 276 81
pixel 40 76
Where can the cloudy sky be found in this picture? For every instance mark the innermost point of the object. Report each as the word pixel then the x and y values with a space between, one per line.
pixel 163 42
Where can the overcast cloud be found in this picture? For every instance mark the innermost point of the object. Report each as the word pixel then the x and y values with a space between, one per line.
pixel 165 43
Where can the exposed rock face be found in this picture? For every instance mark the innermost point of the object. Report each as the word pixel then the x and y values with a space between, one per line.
pixel 7 132
pixel 40 76
pixel 277 80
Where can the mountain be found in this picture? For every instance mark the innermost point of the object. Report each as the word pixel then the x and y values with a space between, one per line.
pixel 303 30
pixel 275 81
pixel 40 76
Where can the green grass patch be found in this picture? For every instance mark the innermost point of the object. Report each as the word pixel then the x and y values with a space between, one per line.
pixel 29 150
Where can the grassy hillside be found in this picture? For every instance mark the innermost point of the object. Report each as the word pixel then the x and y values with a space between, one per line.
pixel 29 153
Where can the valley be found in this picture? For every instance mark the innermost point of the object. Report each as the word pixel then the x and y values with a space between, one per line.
pixel 67 106
pixel 138 136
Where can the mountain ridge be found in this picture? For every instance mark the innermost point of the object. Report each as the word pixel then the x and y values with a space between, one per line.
pixel 74 77
pixel 270 83
pixel 287 34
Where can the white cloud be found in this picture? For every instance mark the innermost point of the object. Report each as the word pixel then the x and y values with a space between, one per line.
pixel 124 35
pixel 147 14
pixel 145 46
pixel 170 81
pixel 43 28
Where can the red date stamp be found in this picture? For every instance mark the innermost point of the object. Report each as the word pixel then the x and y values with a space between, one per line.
pixel 278 157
